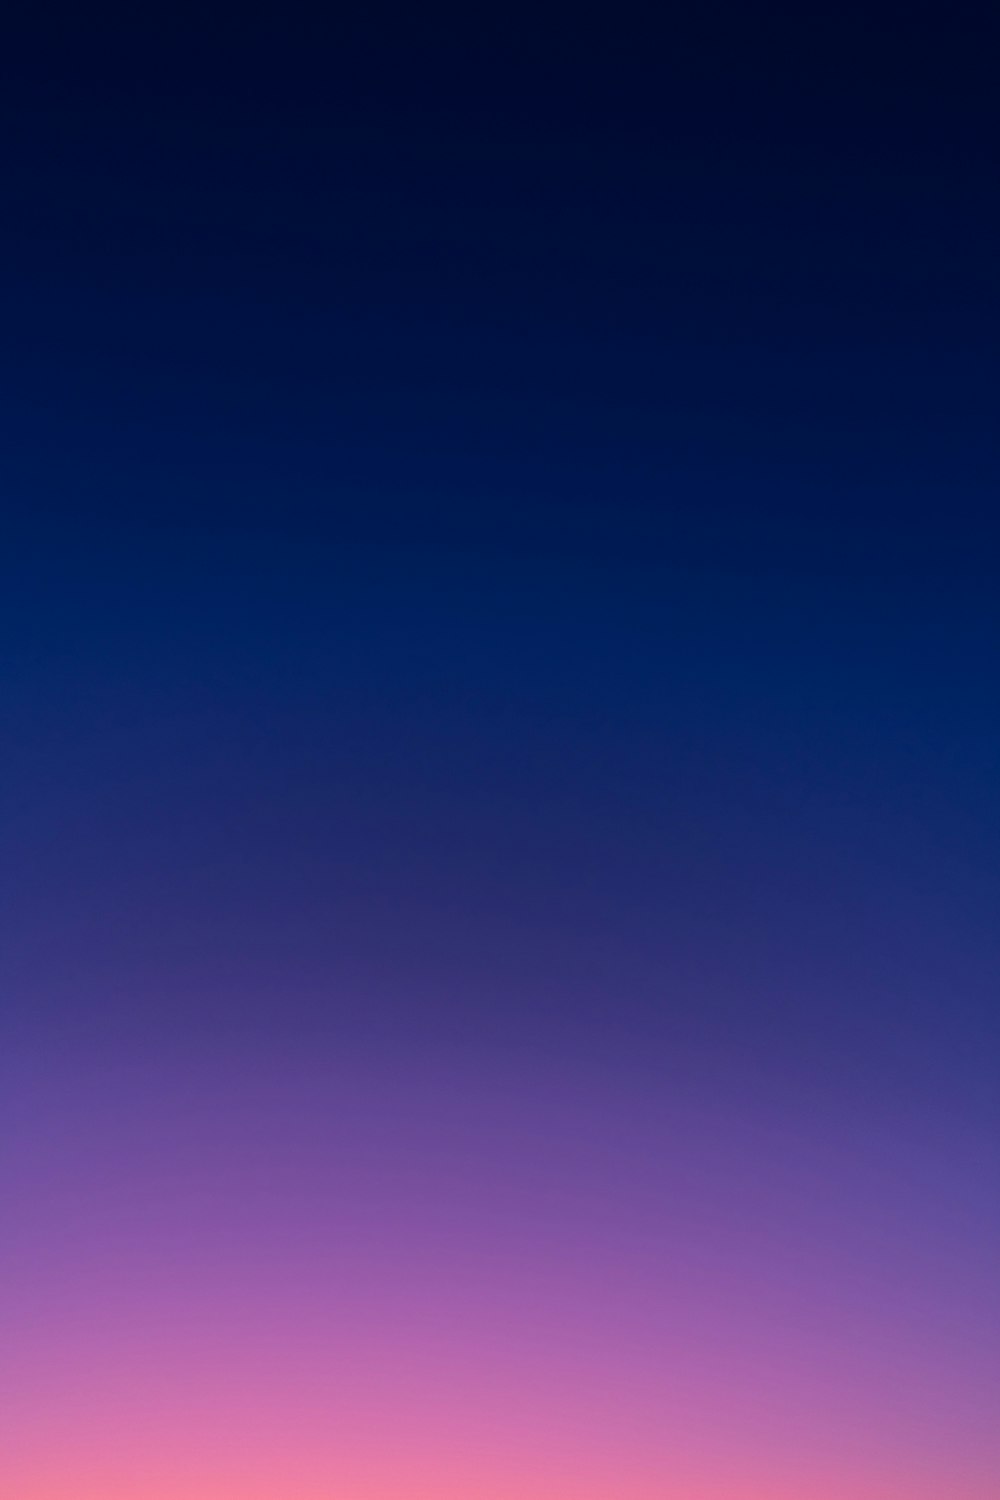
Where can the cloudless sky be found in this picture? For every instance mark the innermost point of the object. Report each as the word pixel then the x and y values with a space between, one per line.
pixel 500 803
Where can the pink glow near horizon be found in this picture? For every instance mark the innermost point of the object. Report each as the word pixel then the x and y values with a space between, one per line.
pixel 347 1285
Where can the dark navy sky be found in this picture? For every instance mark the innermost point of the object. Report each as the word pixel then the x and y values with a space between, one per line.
pixel 504 521
pixel 500 809
pixel 724 288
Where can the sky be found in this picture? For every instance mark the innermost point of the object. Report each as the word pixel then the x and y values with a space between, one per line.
pixel 499 615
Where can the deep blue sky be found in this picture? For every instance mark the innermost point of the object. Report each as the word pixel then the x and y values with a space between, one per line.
pixel 724 287
pixel 505 520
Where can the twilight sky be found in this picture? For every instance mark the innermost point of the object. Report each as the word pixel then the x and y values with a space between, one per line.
pixel 501 823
